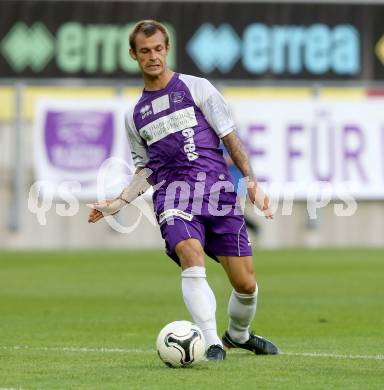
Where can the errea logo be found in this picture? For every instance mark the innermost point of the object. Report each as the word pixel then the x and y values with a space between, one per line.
pixel 146 135
pixel 145 111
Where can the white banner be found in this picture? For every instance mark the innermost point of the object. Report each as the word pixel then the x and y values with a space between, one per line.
pixel 299 146
pixel 73 141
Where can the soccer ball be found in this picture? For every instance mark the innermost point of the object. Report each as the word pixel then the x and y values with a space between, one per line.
pixel 180 344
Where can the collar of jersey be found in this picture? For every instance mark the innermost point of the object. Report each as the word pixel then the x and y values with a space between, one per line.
pixel 170 83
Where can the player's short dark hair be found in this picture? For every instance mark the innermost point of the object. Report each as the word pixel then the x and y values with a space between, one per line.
pixel 148 27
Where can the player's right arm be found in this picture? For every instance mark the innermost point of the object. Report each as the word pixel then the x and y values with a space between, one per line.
pixel 138 185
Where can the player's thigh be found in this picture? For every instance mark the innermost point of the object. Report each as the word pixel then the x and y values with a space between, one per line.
pixel 188 237
pixel 190 252
pixel 240 272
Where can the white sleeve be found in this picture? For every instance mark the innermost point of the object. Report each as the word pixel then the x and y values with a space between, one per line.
pixel 137 144
pixel 212 104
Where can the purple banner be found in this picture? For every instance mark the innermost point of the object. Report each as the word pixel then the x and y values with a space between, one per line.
pixel 78 140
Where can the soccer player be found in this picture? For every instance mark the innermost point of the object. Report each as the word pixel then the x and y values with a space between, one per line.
pixel 174 131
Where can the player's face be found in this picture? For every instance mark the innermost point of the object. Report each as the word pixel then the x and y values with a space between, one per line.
pixel 151 53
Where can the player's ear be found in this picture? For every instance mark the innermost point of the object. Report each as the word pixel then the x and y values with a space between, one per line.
pixel 133 55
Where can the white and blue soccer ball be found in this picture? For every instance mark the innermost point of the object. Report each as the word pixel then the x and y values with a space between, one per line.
pixel 181 344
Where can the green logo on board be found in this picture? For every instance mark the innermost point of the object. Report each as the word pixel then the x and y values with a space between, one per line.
pixel 25 46
pixel 91 48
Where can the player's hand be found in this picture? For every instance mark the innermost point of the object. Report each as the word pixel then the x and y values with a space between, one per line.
pixel 104 208
pixel 94 216
pixel 258 197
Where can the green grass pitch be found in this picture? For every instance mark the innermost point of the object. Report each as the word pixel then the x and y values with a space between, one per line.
pixel 89 320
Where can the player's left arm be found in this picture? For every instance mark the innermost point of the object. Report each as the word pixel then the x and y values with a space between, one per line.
pixel 240 158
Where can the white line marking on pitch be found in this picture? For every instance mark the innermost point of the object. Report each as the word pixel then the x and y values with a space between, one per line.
pixel 78 349
pixel 138 350
pixel 332 355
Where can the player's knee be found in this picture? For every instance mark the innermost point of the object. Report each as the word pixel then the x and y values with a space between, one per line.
pixel 249 289
pixel 246 287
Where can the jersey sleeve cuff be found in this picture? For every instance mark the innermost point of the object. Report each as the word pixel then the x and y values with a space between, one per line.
pixel 226 132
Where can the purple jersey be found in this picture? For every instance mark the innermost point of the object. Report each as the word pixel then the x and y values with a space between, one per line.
pixel 176 133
